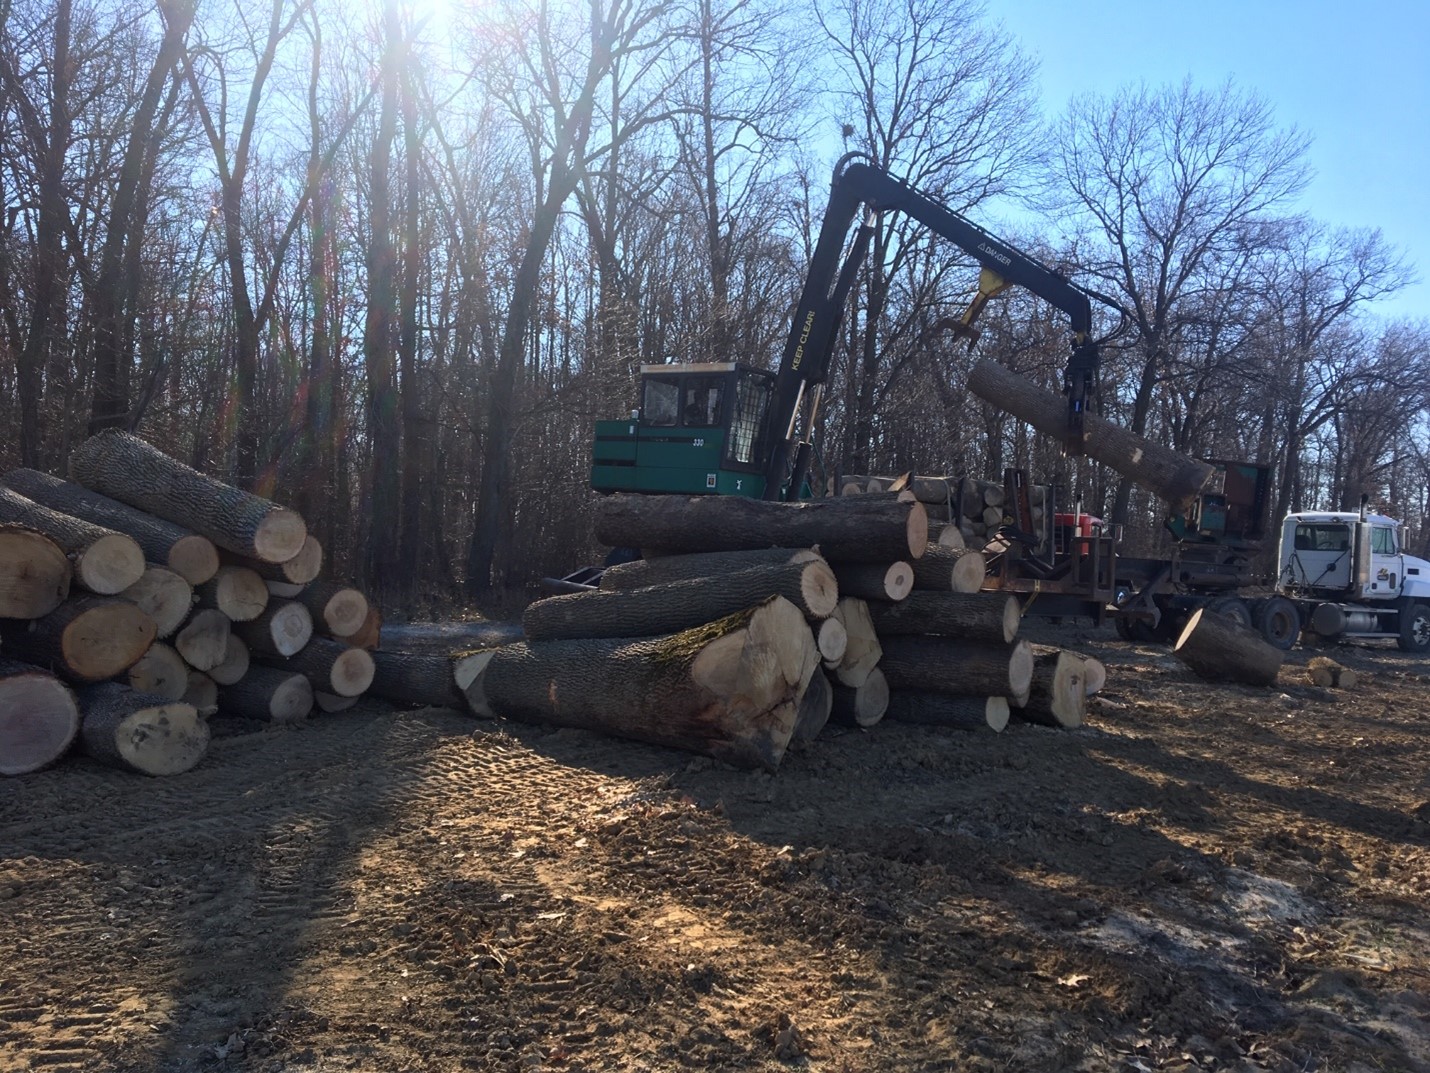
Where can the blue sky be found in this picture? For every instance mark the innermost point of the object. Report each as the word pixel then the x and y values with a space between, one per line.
pixel 1357 79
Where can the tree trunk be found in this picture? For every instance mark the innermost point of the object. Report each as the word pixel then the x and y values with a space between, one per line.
pixel 105 562
pixel 38 718
pixel 679 605
pixel 863 705
pixel 124 466
pixel 948 710
pixel 236 591
pixel 414 678
pixel 814 708
pixel 987 617
pixel 164 596
pixel 332 667
pixel 336 610
pixel 85 640
pixel 233 662
pixel 299 570
pixel 1058 693
pixel 269 695
pixel 644 573
pixel 282 629
pixel 203 640
pixel 940 665
pixel 191 556
pixel 1170 476
pixel 449 636
pixel 161 671
pixel 730 689
pixel 948 569
pixel 139 731
pixel 862 650
pixel 1219 650
pixel 34 573
pixel 869 529
pixel 875 581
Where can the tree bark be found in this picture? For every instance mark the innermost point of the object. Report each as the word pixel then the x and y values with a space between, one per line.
pixel 124 466
pixel 644 573
pixel 679 605
pixel 814 709
pixel 38 718
pixel 164 596
pixel 34 573
pixel 987 617
pixel 947 569
pixel 863 705
pixel 105 562
pixel 1219 650
pixel 282 629
pixel 941 665
pixel 331 666
pixel 948 710
pixel 868 529
pixel 414 678
pixel 236 591
pixel 84 640
pixel 160 671
pixel 1167 474
pixel 449 636
pixel 203 640
pixel 139 731
pixel 269 695
pixel 191 556
pixel 730 689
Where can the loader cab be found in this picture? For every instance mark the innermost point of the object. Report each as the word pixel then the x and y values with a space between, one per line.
pixel 700 429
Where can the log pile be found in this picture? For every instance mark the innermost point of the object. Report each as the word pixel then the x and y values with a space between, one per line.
pixel 143 597
pixel 962 511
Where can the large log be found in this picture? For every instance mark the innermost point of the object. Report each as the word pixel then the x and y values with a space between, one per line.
pixel 868 529
pixel 1057 696
pixel 831 638
pixel 948 569
pixel 369 634
pixel 299 570
pixel 449 636
pixel 237 591
pixel 85 640
pixel 729 689
pixel 123 466
pixel 331 666
pixel 269 695
pixel 419 677
pixel 139 731
pixel 163 595
pixel 861 648
pixel 160 671
pixel 203 640
pixel 233 662
pixel 948 710
pixel 643 573
pixel 105 562
pixel 34 573
pixel 331 702
pixel 1165 473
pixel 814 709
pixel 942 665
pixel 875 581
pixel 1220 650
pixel 38 718
pixel 680 605
pixel 189 555
pixel 282 629
pixel 863 705
pixel 969 616
pixel 202 692
pixel 336 610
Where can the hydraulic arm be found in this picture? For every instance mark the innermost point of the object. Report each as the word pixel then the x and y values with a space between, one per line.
pixel 805 362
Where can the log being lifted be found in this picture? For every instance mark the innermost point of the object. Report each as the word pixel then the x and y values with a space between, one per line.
pixel 943 665
pixel 140 731
pixel 814 709
pixel 643 573
pixel 1219 650
pixel 729 689
pixel 680 605
pixel 948 710
pixel 869 529
pixel 948 569
pixel 85 640
pixel 862 705
pixel 34 573
pixel 1171 476
pixel 183 551
pixel 237 591
pixel 164 596
pixel 105 562
pixel 123 466
pixel 38 718
pixel 1058 693
pixel 331 666
pixel 968 616
pixel 269 695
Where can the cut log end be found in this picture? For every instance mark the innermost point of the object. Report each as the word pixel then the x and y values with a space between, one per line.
pixel 38 719
pixel 141 732
pixel 194 558
pixel 279 536
pixel 34 573
pixel 109 565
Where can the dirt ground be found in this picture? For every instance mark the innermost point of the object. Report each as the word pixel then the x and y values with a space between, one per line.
pixel 1199 879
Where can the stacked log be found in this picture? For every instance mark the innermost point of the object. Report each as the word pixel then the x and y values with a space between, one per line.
pixel 38 718
pixel 967 509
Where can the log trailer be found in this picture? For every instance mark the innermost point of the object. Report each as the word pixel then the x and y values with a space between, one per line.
pixel 722 428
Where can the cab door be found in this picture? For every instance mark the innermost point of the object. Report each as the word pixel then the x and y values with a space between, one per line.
pixel 1387 564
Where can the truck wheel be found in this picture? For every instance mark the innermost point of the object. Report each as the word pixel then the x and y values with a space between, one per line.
pixel 1414 626
pixel 1279 621
pixel 1231 607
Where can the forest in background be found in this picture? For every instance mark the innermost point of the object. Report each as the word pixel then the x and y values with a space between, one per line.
pixel 388 263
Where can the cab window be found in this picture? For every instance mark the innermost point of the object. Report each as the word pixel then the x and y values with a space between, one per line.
pixel 661 403
pixel 702 399
pixel 1382 540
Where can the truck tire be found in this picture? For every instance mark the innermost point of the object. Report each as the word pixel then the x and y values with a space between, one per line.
pixel 1233 608
pixel 1279 621
pixel 1414 626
